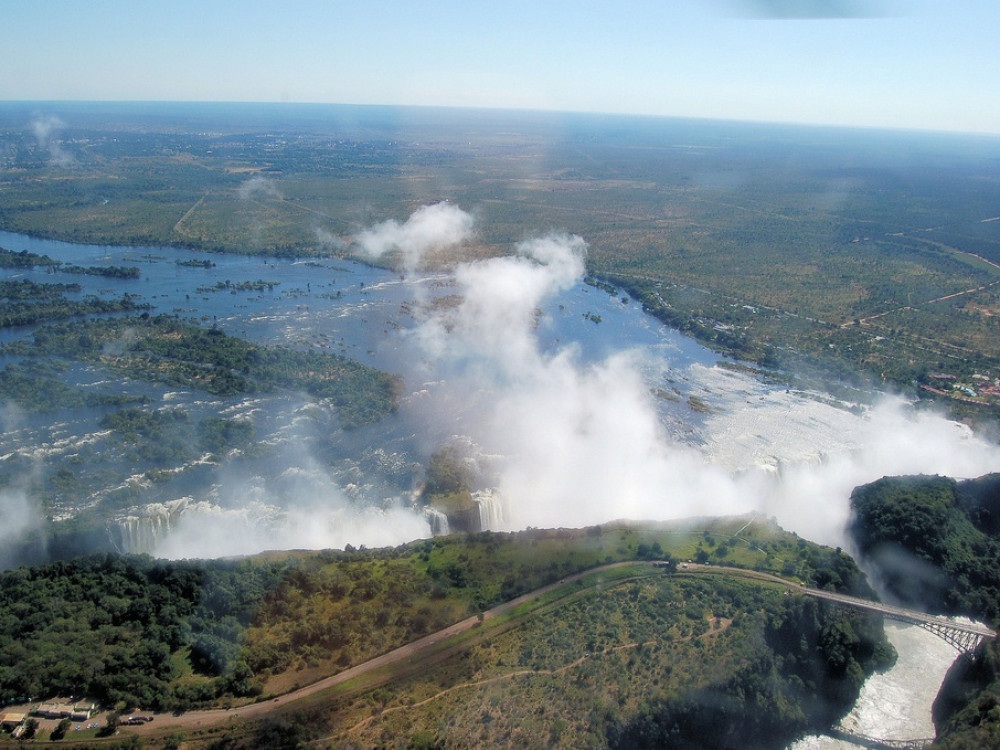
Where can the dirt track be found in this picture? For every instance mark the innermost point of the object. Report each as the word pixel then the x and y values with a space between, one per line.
pixel 422 649
pixel 418 649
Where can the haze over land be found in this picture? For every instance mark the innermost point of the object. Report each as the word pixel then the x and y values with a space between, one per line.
pixel 570 404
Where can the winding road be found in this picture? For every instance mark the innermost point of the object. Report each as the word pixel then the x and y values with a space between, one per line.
pixel 424 648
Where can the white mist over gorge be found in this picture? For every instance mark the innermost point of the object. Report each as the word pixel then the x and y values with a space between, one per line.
pixel 567 439
pixel 571 407
pixel 21 515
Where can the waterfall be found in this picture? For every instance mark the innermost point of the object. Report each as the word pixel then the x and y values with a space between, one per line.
pixel 143 530
pixel 437 520
pixel 490 509
pixel 139 534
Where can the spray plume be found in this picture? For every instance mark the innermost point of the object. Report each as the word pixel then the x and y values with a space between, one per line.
pixel 45 130
pixel 571 442
pixel 581 443
pixel 429 228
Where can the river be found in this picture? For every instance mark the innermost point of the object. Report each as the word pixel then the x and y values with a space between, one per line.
pixel 565 411
pixel 576 420
pixel 896 705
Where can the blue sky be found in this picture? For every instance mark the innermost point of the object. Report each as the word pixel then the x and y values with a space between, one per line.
pixel 929 64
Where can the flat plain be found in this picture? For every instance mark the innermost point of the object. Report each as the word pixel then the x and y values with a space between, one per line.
pixel 851 253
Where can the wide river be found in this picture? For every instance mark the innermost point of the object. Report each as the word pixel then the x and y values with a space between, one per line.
pixel 592 412
pixel 569 399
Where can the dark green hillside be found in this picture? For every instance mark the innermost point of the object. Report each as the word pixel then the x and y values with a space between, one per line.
pixel 635 654
pixel 935 542
pixel 668 661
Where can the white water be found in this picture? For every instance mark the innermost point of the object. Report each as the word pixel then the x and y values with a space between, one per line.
pixel 438 521
pixel 896 705
pixel 490 510
pixel 143 531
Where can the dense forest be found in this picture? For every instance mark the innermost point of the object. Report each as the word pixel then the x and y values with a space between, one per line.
pixel 131 631
pixel 934 540
pixel 123 629
pixel 935 543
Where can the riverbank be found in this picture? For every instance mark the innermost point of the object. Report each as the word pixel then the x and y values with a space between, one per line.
pixel 896 705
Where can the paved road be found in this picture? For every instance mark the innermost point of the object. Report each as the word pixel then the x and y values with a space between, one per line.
pixel 421 649
pixel 416 650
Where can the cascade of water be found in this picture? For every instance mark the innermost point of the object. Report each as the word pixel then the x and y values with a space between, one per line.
pixel 438 521
pixel 490 509
pixel 142 533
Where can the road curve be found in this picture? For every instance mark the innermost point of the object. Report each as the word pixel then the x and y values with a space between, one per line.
pixel 204 719
pixel 420 647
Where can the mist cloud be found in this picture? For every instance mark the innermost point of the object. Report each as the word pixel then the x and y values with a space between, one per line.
pixel 303 507
pixel 207 529
pixel 492 327
pixel 429 228
pixel 259 187
pixel 566 440
pixel 20 513
pixel 579 443
pixel 19 516
pixel 45 130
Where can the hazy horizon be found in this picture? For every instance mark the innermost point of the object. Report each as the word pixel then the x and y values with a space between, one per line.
pixel 540 112
pixel 897 64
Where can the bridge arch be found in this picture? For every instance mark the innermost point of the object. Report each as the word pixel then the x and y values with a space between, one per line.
pixel 964 637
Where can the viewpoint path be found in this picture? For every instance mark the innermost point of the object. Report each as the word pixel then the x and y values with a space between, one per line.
pixel 422 648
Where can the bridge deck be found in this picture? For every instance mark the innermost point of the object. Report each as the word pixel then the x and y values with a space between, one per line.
pixel 975 631
pixel 902 614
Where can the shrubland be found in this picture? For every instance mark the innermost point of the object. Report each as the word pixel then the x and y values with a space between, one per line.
pixel 866 256
pixel 659 649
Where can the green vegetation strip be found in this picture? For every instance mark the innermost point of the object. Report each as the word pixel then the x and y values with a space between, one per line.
pixel 166 349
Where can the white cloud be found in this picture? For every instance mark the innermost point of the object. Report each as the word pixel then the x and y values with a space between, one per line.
pixel 45 130
pixel 259 187
pixel 583 443
pixel 429 228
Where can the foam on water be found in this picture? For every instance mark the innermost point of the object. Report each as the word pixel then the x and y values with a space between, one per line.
pixel 896 705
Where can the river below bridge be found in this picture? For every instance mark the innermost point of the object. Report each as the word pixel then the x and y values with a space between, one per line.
pixel 896 705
